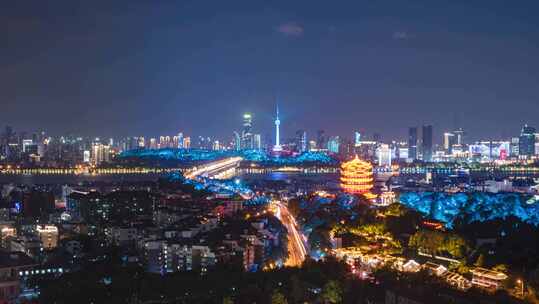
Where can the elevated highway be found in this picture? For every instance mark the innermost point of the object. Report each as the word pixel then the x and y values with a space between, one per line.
pixel 215 169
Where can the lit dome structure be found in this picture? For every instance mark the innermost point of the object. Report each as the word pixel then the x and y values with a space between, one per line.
pixel 357 177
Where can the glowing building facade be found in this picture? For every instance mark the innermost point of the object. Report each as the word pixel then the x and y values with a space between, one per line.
pixel 48 235
pixel 333 144
pixel 384 155
pixel 526 146
pixel 357 177
pixel 412 143
pixel 100 153
pixel 246 133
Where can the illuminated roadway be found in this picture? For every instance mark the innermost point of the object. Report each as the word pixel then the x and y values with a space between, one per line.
pixel 214 168
pixel 296 240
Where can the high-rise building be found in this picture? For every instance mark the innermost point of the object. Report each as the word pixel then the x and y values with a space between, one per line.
pixel 514 147
pixel 237 141
pixel 384 154
pixel 247 123
pixel 153 143
pixel 321 141
pixel 346 148
pixel 257 141
pixel 526 146
pixel 333 144
pixel 141 142
pixel 180 140
pixel 426 143
pixel 489 150
pixel 187 142
pixel 6 143
pixel 412 143
pixel 86 156
pixel 8 136
pixel 26 143
pixel 312 145
pixel 100 153
pixel 460 137
pixel 449 141
pixel 357 138
pixel 301 141
pixel 131 143
pixel 403 153
pixel 216 145
pixel 246 133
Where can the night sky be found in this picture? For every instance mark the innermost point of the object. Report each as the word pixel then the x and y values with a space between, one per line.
pixel 114 68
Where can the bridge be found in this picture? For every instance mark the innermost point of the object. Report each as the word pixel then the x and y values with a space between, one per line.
pixel 223 168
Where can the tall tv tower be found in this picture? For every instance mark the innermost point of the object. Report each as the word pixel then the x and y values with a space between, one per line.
pixel 277 147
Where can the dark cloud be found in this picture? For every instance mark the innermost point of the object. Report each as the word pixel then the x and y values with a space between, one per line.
pixel 402 35
pixel 291 29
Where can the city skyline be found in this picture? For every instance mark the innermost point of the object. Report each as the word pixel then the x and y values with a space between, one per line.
pixel 439 136
pixel 346 67
pixel 275 152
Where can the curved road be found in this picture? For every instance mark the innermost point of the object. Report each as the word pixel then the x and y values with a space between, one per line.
pixel 296 241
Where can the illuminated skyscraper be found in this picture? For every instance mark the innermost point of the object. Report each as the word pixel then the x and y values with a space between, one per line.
pixel 141 142
pixel 449 141
pixel 187 142
pixel 246 133
pixel 301 141
pixel 357 138
pixel 426 143
pixel 247 123
pixel 321 139
pixel 312 145
pixel 180 140
pixel 412 143
pixel 100 153
pixel 514 146
pixel 384 154
pixel 526 142
pixel 237 141
pixel 460 136
pixel 277 146
pixel 25 144
pixel 153 143
pixel 257 142
pixel 86 156
pixel 333 144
